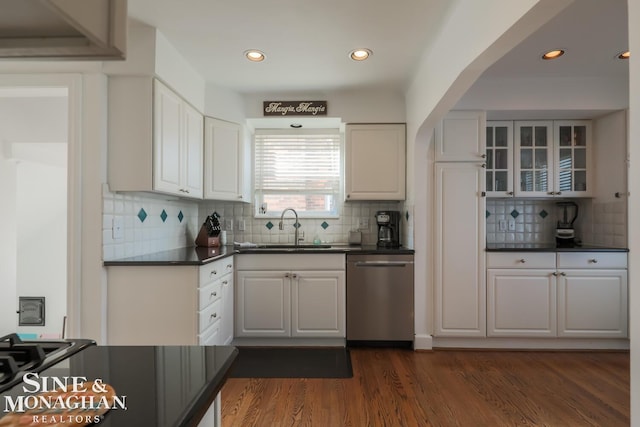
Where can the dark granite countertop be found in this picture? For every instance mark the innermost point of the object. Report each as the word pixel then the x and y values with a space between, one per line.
pixel 548 247
pixel 199 255
pixel 164 385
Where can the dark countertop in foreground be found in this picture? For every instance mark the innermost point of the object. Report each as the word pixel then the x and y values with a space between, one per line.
pixel 548 247
pixel 164 385
pixel 199 256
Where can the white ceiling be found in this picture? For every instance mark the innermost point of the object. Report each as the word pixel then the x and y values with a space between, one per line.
pixel 307 42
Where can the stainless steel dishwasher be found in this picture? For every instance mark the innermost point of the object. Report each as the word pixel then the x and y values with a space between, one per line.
pixel 380 298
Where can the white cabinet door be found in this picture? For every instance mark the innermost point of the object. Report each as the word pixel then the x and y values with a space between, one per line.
pixel 460 137
pixel 224 160
pixel 167 138
pixel 573 156
pixel 534 164
pixel 592 303
pixel 318 304
pixel 375 161
pixel 460 287
pixel 263 304
pixel 521 303
pixel 499 141
pixel 193 151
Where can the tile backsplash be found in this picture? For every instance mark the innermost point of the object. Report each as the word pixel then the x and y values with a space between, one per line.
pixel 152 223
pixel 535 221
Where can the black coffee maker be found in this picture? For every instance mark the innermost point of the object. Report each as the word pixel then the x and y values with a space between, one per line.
pixel 388 229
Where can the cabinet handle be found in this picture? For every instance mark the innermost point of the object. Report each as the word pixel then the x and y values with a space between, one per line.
pixel 287 275
pixel 213 316
pixel 484 165
pixel 295 276
pixel 563 274
pixel 348 196
pixel 483 194
pixel 593 261
pixel 551 193
pixel 225 283
pixel 240 196
pixel 229 266
pixel 559 193
pixel 554 274
pixel 484 156
pixel 522 260
pixel 213 294
pixel 213 273
pixel 510 193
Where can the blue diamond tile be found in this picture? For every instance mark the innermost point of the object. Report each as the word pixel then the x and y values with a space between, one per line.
pixel 297 225
pixel 406 215
pixel 164 215
pixel 487 214
pixel 515 213
pixel 543 213
pixel 180 216
pixel 142 215
pixel 269 225
pixel 324 225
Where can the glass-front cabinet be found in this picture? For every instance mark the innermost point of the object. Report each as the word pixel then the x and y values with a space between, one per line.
pixel 572 154
pixel 534 158
pixel 538 158
pixel 499 146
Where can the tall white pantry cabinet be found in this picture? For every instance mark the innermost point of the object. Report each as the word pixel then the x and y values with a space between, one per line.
pixel 460 282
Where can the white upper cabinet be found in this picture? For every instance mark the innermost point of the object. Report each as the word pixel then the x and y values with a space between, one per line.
pixel 552 158
pixel 499 140
pixel 155 139
pixel 460 137
pixel 375 161
pixel 224 156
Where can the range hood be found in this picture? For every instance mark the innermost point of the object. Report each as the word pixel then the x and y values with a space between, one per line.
pixel 63 29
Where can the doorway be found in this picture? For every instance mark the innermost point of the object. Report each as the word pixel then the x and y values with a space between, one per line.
pixel 34 214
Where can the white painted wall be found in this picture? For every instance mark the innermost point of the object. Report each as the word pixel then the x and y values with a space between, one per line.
pixel 634 207
pixel 8 244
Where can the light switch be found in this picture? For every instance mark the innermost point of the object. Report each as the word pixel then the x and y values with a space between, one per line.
pixel 241 224
pixel 228 224
pixel 363 224
pixel 502 225
pixel 512 225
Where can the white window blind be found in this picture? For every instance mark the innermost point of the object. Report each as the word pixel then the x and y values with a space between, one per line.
pixel 299 169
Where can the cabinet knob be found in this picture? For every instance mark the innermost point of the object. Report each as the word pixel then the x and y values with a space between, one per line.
pixel 522 260
pixel 240 196
pixel 229 266
pixel 484 165
pixel 593 261
pixel 213 273
pixel 295 276
pixel 559 193
pixel 551 193
pixel 225 283
pixel 213 294
pixel 563 274
pixel 213 316
pixel 348 196
pixel 287 275
pixel 510 193
pixel 484 156
pixel 554 274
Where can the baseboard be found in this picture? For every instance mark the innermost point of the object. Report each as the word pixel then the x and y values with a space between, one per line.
pixel 532 343
pixel 423 342
pixel 292 342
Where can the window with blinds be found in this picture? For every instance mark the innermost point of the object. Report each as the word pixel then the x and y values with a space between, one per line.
pixel 299 169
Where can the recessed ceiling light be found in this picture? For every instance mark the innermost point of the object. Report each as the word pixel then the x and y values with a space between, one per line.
pixel 360 54
pixel 624 55
pixel 553 54
pixel 254 55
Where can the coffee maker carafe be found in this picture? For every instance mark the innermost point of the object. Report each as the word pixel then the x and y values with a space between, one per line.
pixel 565 233
pixel 388 229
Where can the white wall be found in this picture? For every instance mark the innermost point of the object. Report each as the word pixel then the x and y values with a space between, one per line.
pixel 8 244
pixel 634 207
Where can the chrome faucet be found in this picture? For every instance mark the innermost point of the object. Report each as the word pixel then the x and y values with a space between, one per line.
pixel 296 225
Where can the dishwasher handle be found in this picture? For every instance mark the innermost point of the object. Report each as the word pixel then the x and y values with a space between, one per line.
pixel 382 263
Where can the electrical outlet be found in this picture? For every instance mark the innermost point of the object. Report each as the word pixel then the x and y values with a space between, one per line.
pixel 240 224
pixel 228 224
pixel 502 225
pixel 363 224
pixel 117 228
pixel 512 225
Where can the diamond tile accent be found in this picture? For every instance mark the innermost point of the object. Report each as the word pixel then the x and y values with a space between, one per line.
pixel 324 225
pixel 487 214
pixel 180 216
pixel 406 215
pixel 269 225
pixel 142 215
pixel 164 215
pixel 297 225
pixel 543 213
pixel 515 213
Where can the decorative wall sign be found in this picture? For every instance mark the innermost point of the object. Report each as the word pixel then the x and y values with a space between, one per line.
pixel 295 108
pixel 31 311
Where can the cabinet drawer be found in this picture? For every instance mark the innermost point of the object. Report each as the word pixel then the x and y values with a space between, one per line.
pixel 209 315
pixel 210 336
pixel 209 294
pixel 521 260
pixel 215 269
pixel 592 260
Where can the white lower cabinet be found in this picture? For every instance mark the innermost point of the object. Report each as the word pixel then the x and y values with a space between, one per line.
pixel 592 295
pixel 521 303
pixel 171 305
pixel 308 302
pixel 541 295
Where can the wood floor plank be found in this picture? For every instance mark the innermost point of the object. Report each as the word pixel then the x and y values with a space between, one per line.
pixel 394 387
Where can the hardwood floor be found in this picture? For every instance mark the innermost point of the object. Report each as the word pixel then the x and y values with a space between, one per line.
pixel 392 387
